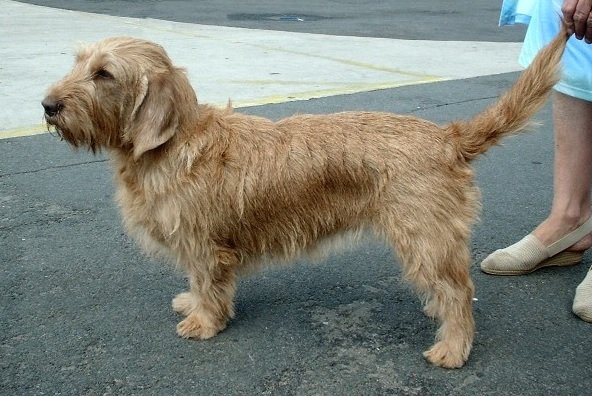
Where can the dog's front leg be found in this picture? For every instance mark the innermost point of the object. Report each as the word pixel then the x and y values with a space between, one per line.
pixel 208 305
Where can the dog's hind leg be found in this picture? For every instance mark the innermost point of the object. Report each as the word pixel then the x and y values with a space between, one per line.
pixel 208 305
pixel 438 266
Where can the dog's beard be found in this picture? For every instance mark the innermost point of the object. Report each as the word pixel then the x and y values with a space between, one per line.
pixel 58 125
pixel 55 126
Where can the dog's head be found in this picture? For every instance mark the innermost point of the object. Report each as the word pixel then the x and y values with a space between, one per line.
pixel 123 93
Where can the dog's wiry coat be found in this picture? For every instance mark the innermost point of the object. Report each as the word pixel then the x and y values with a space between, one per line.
pixel 220 191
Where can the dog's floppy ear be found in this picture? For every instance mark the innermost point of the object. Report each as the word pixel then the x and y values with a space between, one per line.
pixel 154 119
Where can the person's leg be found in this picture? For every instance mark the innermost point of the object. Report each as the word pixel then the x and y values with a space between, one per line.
pixel 571 194
pixel 572 120
pixel 570 208
pixel 571 199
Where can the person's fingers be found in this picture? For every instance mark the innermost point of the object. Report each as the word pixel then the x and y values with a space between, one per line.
pixel 588 36
pixel 580 18
pixel 568 10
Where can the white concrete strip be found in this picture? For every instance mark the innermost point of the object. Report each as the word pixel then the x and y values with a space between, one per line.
pixel 248 66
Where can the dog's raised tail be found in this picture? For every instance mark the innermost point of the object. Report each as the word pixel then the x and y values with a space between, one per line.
pixel 513 110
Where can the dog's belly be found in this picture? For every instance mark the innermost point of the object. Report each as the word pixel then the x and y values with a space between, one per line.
pixel 301 220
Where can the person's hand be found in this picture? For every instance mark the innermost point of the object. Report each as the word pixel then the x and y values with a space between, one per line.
pixel 578 17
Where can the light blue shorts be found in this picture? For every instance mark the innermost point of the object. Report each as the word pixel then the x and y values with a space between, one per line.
pixel 543 19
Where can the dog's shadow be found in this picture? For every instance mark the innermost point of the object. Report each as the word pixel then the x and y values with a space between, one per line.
pixel 353 300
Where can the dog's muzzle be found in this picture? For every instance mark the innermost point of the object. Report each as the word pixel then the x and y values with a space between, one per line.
pixel 52 106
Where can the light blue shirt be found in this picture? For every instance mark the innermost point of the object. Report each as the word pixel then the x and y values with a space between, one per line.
pixel 516 11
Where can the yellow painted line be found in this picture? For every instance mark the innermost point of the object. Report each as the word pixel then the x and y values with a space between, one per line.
pixel 26 131
pixel 337 84
pixel 322 93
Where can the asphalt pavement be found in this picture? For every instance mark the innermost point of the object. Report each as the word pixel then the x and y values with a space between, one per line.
pixel 84 312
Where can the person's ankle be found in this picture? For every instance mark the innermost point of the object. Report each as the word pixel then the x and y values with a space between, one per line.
pixel 556 227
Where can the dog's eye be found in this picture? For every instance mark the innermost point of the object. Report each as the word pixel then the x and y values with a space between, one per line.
pixel 103 74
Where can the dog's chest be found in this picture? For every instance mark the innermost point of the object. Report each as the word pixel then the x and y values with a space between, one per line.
pixel 150 214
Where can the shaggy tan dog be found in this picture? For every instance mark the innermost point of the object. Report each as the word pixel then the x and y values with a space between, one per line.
pixel 221 192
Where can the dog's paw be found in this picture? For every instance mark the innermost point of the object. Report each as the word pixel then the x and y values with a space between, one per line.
pixel 442 355
pixel 196 326
pixel 183 303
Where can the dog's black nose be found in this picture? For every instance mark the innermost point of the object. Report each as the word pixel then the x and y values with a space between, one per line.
pixel 51 105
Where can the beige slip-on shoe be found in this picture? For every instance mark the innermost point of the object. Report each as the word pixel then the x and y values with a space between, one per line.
pixel 582 305
pixel 529 254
